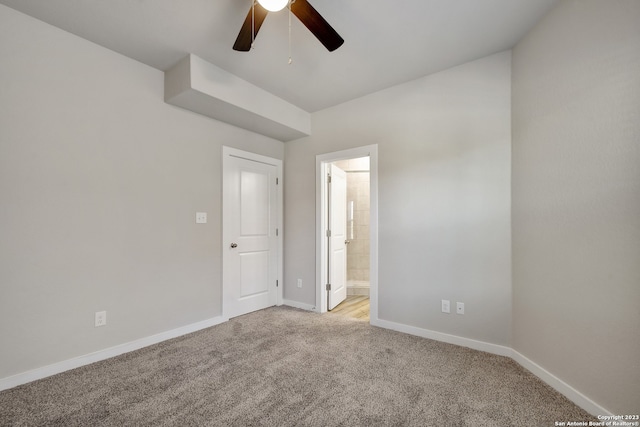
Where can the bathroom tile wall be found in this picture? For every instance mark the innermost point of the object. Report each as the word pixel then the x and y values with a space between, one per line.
pixel 358 228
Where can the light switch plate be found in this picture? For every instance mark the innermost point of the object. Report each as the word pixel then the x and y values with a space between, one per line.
pixel 446 306
pixel 101 318
pixel 201 217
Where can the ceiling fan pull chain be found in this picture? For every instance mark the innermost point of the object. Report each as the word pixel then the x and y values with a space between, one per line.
pixel 253 22
pixel 290 60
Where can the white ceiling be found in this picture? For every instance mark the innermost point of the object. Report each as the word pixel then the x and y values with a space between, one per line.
pixel 387 42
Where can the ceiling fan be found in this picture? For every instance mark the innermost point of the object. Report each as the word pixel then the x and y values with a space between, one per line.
pixel 310 17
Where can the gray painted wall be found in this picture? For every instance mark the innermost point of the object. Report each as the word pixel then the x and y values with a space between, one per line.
pixel 576 199
pixel 444 197
pixel 100 180
pixel 99 184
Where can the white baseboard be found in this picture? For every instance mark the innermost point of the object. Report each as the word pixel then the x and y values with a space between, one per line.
pixel 76 362
pixel 439 336
pixel 300 305
pixel 358 290
pixel 563 388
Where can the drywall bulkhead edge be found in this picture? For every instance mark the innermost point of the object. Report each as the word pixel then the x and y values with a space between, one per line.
pixel 206 89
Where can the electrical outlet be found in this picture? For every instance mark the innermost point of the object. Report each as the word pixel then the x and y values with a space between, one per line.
pixel 299 283
pixel 460 307
pixel 446 306
pixel 201 217
pixel 101 318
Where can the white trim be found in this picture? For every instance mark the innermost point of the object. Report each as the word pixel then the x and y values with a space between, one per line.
pixel 300 305
pixel 556 383
pixel 76 362
pixel 322 160
pixel 439 336
pixel 563 388
pixel 234 152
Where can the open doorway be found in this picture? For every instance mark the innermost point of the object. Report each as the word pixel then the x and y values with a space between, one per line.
pixel 356 205
pixel 347 232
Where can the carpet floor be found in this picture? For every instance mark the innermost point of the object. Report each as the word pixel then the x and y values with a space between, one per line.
pixel 287 367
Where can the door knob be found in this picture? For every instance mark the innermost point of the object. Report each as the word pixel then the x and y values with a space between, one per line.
pixel 234 245
pixel 346 242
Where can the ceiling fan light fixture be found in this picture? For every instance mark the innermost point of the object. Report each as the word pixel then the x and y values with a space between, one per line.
pixel 273 5
pixel 301 9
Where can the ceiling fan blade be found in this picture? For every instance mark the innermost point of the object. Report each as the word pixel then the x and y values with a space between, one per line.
pixel 316 24
pixel 244 40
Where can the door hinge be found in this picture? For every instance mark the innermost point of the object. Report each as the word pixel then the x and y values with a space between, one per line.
pixel 328 286
pixel 276 232
pixel 328 233
pixel 276 181
pixel 329 179
pixel 277 284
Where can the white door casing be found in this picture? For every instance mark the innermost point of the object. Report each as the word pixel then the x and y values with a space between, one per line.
pixel 338 236
pixel 251 242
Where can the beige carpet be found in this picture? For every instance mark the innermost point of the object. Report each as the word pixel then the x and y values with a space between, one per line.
pixel 287 367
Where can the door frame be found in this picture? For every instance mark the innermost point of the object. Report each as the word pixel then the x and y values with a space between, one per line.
pixel 322 161
pixel 227 153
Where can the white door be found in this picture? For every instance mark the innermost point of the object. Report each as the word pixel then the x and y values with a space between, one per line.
pixel 250 241
pixel 338 236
